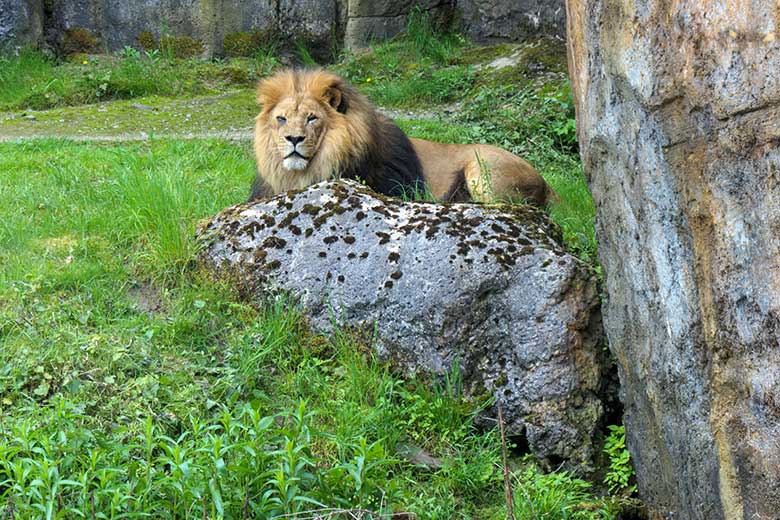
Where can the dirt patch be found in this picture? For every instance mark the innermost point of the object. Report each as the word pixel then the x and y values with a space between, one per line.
pixel 147 298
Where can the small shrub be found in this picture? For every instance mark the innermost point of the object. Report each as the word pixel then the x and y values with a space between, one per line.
pixel 235 75
pixel 241 44
pixel 304 55
pixel 620 473
pixel 148 41
pixel 78 40
pixel 429 40
pixel 181 47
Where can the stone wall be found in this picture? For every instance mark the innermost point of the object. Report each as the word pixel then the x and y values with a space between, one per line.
pixel 512 20
pixel 678 114
pixel 323 24
pixel 21 22
pixel 119 23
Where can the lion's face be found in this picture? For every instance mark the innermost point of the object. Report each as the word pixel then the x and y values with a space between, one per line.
pixel 312 126
pixel 299 124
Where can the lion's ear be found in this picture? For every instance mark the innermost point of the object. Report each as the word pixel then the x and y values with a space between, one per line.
pixel 335 97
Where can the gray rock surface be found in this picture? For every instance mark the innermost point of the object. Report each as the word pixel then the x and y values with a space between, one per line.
pixel 489 288
pixel 21 23
pixel 119 23
pixel 322 24
pixel 678 107
pixel 512 20
pixel 377 20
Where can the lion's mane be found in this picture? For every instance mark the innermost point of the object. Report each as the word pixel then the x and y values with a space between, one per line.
pixel 357 143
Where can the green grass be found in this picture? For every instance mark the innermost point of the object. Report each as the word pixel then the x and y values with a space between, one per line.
pixel 132 385
pixel 33 81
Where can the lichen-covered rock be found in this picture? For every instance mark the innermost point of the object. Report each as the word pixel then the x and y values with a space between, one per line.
pixel 678 108
pixel 490 288
pixel 21 23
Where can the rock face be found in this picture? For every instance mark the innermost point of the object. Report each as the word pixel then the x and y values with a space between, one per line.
pixel 512 20
pixel 678 107
pixel 119 23
pixel 321 24
pixel 377 20
pixel 21 22
pixel 490 289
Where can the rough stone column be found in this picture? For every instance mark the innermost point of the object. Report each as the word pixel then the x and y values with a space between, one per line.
pixel 679 125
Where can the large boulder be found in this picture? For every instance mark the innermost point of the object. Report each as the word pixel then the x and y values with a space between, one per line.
pixel 489 288
pixel 678 108
pixel 21 23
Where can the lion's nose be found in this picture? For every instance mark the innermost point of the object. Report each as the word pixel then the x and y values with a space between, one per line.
pixel 294 139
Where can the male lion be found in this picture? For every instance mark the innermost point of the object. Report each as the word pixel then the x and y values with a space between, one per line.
pixel 314 126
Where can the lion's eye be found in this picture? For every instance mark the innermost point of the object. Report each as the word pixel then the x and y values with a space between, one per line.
pixel 281 120
pixel 311 119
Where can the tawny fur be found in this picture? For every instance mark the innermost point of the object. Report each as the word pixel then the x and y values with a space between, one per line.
pixel 347 136
pixel 342 134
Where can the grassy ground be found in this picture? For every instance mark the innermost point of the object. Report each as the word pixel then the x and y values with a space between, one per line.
pixel 131 386
pixel 34 81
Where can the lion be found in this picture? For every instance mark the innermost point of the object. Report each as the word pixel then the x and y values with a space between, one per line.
pixel 314 126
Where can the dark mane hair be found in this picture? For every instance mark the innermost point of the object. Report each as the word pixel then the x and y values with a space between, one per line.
pixel 392 167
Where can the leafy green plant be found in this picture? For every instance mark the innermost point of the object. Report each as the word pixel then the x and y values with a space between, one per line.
pixel 555 496
pixel 130 53
pixel 619 477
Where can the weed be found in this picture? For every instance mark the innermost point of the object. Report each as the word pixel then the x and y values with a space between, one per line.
pixel 130 53
pixel 429 41
pixel 621 473
pixel 558 496
pixel 304 55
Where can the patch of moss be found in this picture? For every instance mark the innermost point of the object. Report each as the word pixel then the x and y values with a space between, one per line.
pixel 181 47
pixel 78 40
pixel 235 75
pixel 188 116
pixel 245 43
pixel 527 62
pixel 483 55
pixel 147 41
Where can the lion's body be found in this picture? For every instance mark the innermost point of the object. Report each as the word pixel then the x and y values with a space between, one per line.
pixel 313 127
pixel 479 172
